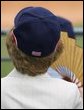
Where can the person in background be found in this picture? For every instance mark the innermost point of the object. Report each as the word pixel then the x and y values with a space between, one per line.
pixel 32 45
pixel 66 26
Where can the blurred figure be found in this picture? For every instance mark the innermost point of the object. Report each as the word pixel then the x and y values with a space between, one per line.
pixel 66 26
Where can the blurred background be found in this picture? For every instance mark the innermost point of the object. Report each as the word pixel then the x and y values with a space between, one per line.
pixel 71 10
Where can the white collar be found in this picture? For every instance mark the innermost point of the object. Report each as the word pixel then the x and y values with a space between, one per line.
pixel 15 73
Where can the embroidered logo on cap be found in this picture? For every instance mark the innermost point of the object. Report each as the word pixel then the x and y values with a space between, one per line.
pixel 34 53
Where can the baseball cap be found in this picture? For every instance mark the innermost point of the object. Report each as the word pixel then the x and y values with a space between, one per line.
pixel 37 31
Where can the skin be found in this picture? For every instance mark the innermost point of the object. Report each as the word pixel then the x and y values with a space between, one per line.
pixel 81 91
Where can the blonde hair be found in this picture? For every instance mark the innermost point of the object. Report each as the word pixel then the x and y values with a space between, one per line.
pixel 28 64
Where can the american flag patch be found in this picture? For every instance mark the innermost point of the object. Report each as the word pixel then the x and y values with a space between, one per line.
pixel 34 53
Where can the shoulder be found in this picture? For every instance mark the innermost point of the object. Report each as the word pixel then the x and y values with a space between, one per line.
pixel 3 92
pixel 69 94
pixel 6 87
pixel 3 83
pixel 6 82
pixel 66 87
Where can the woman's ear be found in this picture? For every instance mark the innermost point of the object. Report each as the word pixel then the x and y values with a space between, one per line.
pixel 59 46
pixel 14 40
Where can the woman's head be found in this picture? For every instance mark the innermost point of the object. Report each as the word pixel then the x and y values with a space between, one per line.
pixel 29 64
pixel 34 42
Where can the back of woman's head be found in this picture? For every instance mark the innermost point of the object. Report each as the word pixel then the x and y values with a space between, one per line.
pixel 29 64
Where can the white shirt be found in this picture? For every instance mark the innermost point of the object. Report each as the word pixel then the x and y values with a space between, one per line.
pixel 20 91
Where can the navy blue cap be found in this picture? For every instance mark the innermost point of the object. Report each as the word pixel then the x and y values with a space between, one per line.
pixel 37 31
